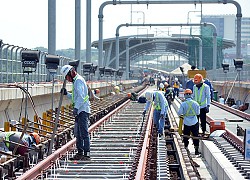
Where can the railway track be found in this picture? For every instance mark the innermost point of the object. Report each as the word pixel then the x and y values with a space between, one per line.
pixel 229 143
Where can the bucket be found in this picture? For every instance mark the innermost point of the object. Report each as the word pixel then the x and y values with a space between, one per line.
pixel 217 125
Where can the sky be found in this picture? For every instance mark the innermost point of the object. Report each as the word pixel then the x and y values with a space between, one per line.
pixel 25 22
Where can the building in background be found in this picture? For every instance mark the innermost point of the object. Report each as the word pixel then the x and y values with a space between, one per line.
pixel 226 28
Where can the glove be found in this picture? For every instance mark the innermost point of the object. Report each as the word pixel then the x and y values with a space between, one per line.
pixel 162 116
pixel 144 112
pixel 207 109
pixel 64 91
pixel 75 110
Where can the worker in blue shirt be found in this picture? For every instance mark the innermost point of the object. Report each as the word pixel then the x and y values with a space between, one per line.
pixel 160 105
pixel 81 111
pixel 201 94
pixel 207 81
pixel 190 109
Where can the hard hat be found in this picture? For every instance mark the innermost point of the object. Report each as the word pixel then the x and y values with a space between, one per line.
pixel 36 137
pixel 149 96
pixel 176 79
pixel 161 85
pixel 198 78
pixel 97 91
pixel 188 91
pixel 129 95
pixel 165 84
pixel 65 69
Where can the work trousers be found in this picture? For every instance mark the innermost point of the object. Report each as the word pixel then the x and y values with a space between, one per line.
pixel 202 118
pixel 159 122
pixel 81 133
pixel 187 131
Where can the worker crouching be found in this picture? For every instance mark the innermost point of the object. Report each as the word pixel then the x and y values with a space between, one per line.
pixel 11 139
pixel 190 109
pixel 160 109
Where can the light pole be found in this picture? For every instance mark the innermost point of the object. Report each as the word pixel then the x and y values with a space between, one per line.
pixel 238 63
pixel 225 67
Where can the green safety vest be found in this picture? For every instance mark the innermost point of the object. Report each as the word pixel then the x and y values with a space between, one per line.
pixel 157 105
pixel 198 99
pixel 190 111
pixel 72 99
pixel 7 138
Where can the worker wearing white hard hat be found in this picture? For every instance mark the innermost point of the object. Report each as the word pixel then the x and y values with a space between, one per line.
pixel 160 108
pixel 81 111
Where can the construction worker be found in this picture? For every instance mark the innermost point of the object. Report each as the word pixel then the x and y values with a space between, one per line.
pixel 168 94
pixel 116 89
pixel 161 87
pixel 160 109
pixel 201 94
pixel 190 109
pixel 28 140
pixel 176 86
pixel 95 92
pixel 81 111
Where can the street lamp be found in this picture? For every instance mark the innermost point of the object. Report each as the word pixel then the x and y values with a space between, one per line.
pixel 119 73
pixel 74 63
pixel 52 63
pixel 87 69
pixel 238 63
pixel 225 67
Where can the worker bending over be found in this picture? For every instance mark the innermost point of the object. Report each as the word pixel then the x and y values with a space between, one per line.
pixel 160 109
pixel 13 136
pixel 201 94
pixel 190 109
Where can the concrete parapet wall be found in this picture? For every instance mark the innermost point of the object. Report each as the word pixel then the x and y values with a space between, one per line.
pixel 221 167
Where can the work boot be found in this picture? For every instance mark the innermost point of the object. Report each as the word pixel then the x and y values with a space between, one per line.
pixel 86 156
pixel 196 150
pixel 77 157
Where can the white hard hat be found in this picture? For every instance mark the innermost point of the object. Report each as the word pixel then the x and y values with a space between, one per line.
pixel 65 69
pixel 176 79
pixel 149 96
pixel 161 85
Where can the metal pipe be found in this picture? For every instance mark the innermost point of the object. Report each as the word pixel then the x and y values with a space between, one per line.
pixel 100 17
pixel 52 26
pixel 88 31
pixel 150 25
pixel 77 31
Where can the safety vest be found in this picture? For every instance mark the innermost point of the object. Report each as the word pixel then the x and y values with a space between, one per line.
pixel 176 85
pixel 190 111
pixel 157 104
pixel 72 99
pixel 198 97
pixel 7 138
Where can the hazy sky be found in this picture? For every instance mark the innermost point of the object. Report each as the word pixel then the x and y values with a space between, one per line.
pixel 25 22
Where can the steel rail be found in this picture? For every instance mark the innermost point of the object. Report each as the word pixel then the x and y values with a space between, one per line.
pixel 143 158
pixel 46 163
pixel 232 110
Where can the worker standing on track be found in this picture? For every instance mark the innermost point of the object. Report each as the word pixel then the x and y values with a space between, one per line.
pixel 160 109
pixel 176 86
pixel 169 94
pixel 13 136
pixel 190 109
pixel 201 94
pixel 81 111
